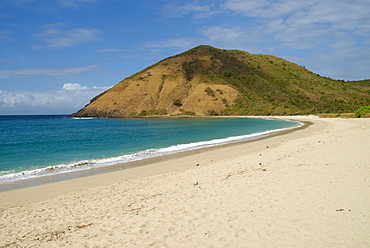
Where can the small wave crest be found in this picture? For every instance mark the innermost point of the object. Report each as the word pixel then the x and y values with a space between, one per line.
pixel 83 118
pixel 8 176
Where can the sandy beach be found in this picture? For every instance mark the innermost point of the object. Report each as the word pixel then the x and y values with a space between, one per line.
pixel 307 188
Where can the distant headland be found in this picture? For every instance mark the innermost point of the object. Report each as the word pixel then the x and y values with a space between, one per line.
pixel 206 81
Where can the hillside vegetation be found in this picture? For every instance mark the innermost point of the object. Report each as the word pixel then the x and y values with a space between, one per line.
pixel 210 81
pixel 363 111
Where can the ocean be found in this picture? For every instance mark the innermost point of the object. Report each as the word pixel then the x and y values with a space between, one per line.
pixel 35 146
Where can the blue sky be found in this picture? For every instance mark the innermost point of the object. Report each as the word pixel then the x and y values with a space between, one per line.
pixel 55 55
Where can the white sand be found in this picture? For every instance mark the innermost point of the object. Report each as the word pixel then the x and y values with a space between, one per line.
pixel 308 188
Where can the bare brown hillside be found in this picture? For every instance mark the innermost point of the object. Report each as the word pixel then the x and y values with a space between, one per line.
pixel 162 90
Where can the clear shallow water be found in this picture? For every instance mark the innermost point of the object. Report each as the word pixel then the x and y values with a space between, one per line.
pixel 33 146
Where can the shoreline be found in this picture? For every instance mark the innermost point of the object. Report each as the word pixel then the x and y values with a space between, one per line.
pixel 307 188
pixel 97 169
pixel 18 192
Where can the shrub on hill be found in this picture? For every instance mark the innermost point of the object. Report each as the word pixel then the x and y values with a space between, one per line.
pixel 361 112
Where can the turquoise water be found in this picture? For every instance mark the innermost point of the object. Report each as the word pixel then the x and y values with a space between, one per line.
pixel 33 146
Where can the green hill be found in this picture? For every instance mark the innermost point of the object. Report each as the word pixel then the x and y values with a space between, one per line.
pixel 210 81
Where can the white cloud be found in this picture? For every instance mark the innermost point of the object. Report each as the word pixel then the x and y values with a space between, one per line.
pixel 42 71
pixel 218 33
pixel 198 11
pixel 236 37
pixel 168 43
pixel 69 99
pixel 343 63
pixel 313 21
pixel 275 24
pixel 108 50
pixel 76 4
pixel 72 86
pixel 76 86
pixel 266 8
pixel 59 36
